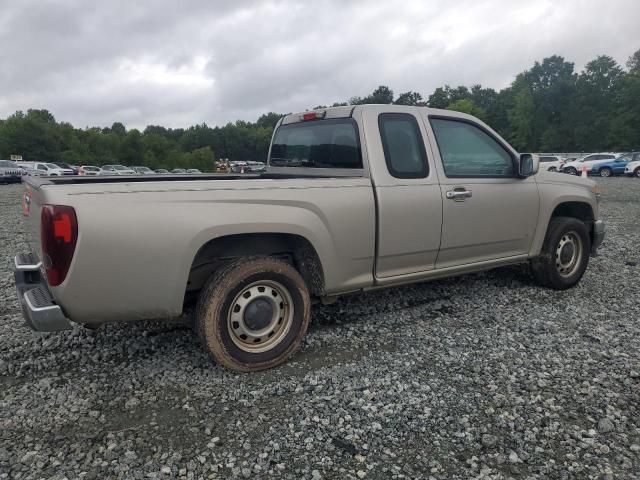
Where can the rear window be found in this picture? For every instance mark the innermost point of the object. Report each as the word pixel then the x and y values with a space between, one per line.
pixel 317 144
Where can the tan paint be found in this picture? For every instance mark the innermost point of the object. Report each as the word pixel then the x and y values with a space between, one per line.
pixel 137 241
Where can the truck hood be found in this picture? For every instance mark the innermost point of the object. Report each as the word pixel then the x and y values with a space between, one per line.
pixel 544 176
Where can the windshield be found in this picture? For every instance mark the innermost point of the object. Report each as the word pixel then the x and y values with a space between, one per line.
pixel 317 144
pixel 91 169
pixel 8 164
pixel 120 167
pixel 51 165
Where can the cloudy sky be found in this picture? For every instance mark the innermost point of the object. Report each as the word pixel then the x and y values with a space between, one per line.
pixel 177 63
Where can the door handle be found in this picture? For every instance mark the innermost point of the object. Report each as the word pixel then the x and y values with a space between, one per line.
pixel 458 194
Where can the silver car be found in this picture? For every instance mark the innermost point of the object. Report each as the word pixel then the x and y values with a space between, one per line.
pixel 10 172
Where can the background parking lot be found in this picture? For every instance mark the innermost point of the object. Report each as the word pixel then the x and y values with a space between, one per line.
pixel 484 375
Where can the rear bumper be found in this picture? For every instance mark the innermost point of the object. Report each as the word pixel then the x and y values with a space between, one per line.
pixel 597 236
pixel 39 310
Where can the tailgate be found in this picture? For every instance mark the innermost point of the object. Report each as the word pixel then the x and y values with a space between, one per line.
pixel 32 200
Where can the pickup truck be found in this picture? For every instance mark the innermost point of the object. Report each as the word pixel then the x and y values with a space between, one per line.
pixel 354 198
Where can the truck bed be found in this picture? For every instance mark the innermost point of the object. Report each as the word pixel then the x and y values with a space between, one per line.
pixel 87 180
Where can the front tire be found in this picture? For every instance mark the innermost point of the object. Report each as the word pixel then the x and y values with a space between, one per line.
pixel 253 314
pixel 571 171
pixel 606 172
pixel 637 172
pixel 565 254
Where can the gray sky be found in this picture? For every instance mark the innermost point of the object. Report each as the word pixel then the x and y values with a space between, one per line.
pixel 178 63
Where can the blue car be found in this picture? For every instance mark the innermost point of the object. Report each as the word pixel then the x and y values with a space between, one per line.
pixel 615 166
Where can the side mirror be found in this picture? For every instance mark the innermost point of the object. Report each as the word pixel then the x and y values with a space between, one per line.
pixel 528 165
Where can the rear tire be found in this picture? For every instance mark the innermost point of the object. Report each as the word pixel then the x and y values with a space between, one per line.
pixel 253 314
pixel 571 171
pixel 565 254
pixel 637 172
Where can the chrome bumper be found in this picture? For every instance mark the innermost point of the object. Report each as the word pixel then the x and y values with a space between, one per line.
pixel 39 310
pixel 597 236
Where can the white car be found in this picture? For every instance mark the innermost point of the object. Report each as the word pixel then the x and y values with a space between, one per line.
pixel 89 171
pixel 143 170
pixel 633 169
pixel 575 167
pixel 116 170
pixel 50 169
pixel 551 163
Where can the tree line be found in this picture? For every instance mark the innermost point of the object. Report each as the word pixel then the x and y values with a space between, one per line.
pixel 549 107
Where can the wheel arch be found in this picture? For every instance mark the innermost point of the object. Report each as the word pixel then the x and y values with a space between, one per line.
pixel 294 248
pixel 568 206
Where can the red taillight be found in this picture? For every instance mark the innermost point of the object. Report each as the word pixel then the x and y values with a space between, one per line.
pixel 58 235
pixel 316 115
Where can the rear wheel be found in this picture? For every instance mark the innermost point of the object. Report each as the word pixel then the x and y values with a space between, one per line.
pixel 637 172
pixel 606 172
pixel 565 254
pixel 571 171
pixel 253 314
pixel 552 169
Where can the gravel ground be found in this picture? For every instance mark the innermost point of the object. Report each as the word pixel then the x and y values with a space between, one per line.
pixel 482 376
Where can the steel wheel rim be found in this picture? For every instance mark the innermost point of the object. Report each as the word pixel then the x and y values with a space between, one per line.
pixel 605 172
pixel 242 319
pixel 568 254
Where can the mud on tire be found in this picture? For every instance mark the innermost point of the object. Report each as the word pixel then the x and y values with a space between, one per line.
pixel 253 313
pixel 565 254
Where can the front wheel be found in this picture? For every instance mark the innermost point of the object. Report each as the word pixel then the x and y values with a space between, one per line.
pixel 565 254
pixel 637 172
pixel 571 171
pixel 253 313
pixel 606 172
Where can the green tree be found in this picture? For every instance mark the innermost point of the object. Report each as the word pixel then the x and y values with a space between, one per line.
pixel 410 98
pixel 633 64
pixel 466 105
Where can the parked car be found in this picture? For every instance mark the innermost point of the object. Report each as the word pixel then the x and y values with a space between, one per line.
pixel 88 170
pixel 575 167
pixel 50 169
pixel 551 163
pixel 193 170
pixel 10 172
pixel 633 168
pixel 66 166
pixel 116 170
pixel 223 167
pixel 178 170
pixel 162 170
pixel 616 166
pixel 257 167
pixel 330 221
pixel 239 167
pixel 143 170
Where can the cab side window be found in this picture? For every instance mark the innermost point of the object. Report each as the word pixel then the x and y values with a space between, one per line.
pixel 468 151
pixel 403 145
